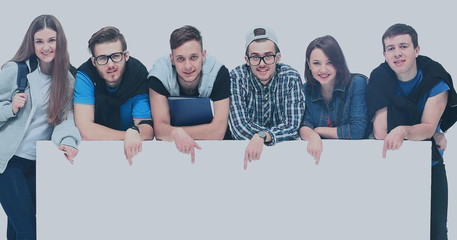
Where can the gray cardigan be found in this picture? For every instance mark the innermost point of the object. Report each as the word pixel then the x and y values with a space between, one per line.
pixel 13 127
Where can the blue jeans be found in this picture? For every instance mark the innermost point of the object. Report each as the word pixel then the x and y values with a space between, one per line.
pixel 18 198
pixel 439 203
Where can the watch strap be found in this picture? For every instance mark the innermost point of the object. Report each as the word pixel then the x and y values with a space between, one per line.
pixel 135 128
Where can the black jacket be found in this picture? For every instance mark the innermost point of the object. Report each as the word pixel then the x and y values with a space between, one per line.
pixel 403 110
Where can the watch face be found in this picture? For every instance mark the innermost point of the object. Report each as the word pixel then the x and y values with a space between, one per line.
pixel 262 134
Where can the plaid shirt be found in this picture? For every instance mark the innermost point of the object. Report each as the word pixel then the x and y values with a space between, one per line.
pixel 286 101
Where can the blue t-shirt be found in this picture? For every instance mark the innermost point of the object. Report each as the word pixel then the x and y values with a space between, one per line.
pixel 404 89
pixel 135 108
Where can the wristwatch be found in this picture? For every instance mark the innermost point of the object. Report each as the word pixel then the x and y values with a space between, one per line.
pixel 135 128
pixel 263 135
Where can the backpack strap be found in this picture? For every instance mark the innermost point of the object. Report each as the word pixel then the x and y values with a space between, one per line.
pixel 22 72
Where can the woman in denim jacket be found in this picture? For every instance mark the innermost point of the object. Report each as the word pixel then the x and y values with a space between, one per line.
pixel 335 98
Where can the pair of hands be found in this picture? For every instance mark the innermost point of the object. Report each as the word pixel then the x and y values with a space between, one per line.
pixel 132 146
pixel 393 141
pixel 187 145
pixel 183 141
pixel 395 138
pixel 132 140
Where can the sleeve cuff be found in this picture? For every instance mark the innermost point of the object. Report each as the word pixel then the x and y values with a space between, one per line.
pixel 273 139
pixel 8 112
pixel 307 124
pixel 69 141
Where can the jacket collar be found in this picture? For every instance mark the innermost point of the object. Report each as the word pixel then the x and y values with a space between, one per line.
pixel 317 96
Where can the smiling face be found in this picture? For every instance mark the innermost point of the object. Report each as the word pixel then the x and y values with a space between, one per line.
pixel 188 60
pixel 263 72
pixel 44 43
pixel 322 68
pixel 401 55
pixel 112 72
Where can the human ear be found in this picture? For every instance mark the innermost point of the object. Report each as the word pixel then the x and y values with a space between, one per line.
pixel 127 55
pixel 204 55
pixel 172 59
pixel 418 49
pixel 278 57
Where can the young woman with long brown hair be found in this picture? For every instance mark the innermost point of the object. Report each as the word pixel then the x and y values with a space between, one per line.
pixel 42 112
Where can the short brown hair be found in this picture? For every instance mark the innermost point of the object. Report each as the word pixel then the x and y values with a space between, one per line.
pixel 400 29
pixel 184 34
pixel 106 34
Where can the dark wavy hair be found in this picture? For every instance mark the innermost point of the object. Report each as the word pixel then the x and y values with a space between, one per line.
pixel 333 51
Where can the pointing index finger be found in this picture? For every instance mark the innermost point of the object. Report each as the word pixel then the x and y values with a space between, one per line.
pixel 384 149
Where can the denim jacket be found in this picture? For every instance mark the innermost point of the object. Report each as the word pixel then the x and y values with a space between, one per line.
pixel 354 117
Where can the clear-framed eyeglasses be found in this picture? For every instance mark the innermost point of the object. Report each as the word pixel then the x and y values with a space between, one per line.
pixel 115 57
pixel 268 59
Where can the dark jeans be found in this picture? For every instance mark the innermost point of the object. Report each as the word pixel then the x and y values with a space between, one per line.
pixel 439 201
pixel 18 198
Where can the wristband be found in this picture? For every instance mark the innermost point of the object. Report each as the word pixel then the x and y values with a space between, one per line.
pixel 135 128
pixel 149 122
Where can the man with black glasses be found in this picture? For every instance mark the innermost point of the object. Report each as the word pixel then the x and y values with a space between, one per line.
pixel 111 94
pixel 267 102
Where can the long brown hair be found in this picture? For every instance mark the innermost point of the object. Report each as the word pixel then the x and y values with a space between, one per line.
pixel 60 93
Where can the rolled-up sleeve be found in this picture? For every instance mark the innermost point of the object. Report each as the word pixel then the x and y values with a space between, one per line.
pixel 292 113
pixel 241 125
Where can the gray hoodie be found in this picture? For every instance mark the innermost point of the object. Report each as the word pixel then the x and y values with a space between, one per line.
pixel 164 70
pixel 13 127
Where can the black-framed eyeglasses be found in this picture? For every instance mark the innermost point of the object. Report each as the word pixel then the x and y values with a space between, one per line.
pixel 268 59
pixel 115 57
